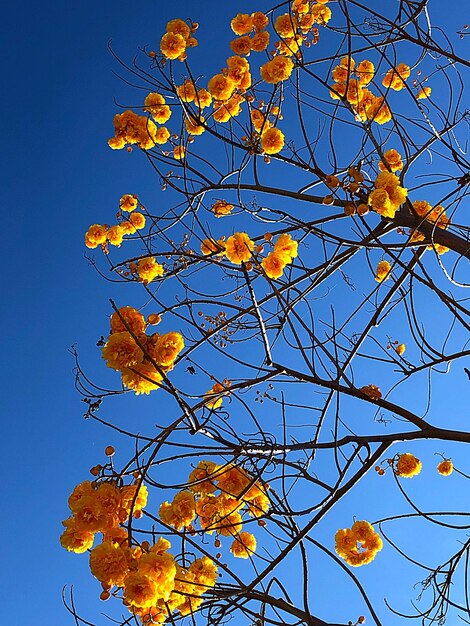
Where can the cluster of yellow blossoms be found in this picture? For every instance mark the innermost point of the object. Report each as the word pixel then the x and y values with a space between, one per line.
pixel 177 38
pixel 407 465
pixel 359 544
pixel 219 512
pixel 101 235
pixel 239 248
pixel 434 215
pixel 387 195
pixel 153 584
pixel 142 359
pixel 445 467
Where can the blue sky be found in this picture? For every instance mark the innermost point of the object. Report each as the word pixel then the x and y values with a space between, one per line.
pixel 60 177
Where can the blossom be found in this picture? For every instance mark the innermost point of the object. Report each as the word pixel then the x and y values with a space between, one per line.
pixel 137 220
pixel 259 120
pixel 79 491
pixel 130 128
pixel 221 87
pixel 128 202
pixel 221 208
pixel 155 104
pixel 400 349
pixel 160 567
pixel 203 98
pixel 407 465
pixel 383 271
pixel 321 14
pixel 179 153
pixel 140 590
pixel 286 247
pixel 121 351
pixel 181 512
pixel 213 399
pixel 148 269
pixel 359 544
pixel 276 70
pixel 115 235
pixel 395 77
pixel 141 378
pixel 134 496
pixel 92 517
pixel 211 246
pixel 95 236
pixel 201 479
pixel 274 265
pixel 272 140
pixel 173 45
pixel 445 467
pixel 378 110
pixel 365 71
pixel 259 20
pixel 285 25
pixel 393 159
pixel 162 135
pixel 187 91
pixel 164 349
pixel 134 320
pixel 242 24
pixel 244 545
pixel 380 201
pixel 109 563
pixel 238 248
pixel 241 45
pixel 227 109
pixel 75 540
pixel 179 27
pixel 424 93
pixel 260 41
pixel 194 125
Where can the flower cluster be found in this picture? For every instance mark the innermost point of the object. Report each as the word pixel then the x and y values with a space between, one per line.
pixel 387 195
pixel 407 465
pixel 142 359
pixel 100 508
pixel 218 512
pixel 396 77
pixel 102 235
pixel 177 38
pixel 285 250
pixel 359 544
pixel 153 584
pixel 130 128
pixel 221 208
pixel 243 25
pixel 392 161
pixel 293 28
pixel 434 215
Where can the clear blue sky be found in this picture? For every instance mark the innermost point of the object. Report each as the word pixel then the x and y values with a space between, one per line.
pixel 59 177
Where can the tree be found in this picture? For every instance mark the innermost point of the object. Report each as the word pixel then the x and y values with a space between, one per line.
pixel 305 264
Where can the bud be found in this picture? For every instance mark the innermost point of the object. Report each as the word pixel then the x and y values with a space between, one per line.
pixel 109 451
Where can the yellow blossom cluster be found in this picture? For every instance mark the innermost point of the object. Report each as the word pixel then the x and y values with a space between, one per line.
pixel 100 508
pixel 178 37
pixel 393 161
pixel 130 128
pixel 351 84
pixel 435 215
pixel 387 195
pixel 101 235
pixel 445 467
pixel 221 208
pixel 153 583
pixel 219 512
pixel 359 544
pixel 395 78
pixel 293 28
pixel 243 25
pixel 285 250
pixel 407 465
pixel 215 396
pixel 142 359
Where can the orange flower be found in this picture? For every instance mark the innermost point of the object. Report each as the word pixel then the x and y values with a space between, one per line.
pixel 173 45
pixel 277 70
pixel 274 265
pixel 221 87
pixel 272 140
pixel 238 248
pixel 242 24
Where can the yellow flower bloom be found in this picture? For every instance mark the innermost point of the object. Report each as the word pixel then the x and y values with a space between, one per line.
pixel 383 271
pixel 274 265
pixel 286 247
pixel 393 160
pixel 131 128
pixel 140 590
pixel 194 126
pixel 221 208
pixel 260 41
pixel 179 153
pixel 115 235
pixel 173 45
pixel 244 545
pixel 242 24
pixel 238 248
pixel 272 140
pixel 259 20
pixel 121 351
pixel 129 497
pixel 445 467
pixel 128 202
pixel 187 91
pixel 109 563
pixel 141 378
pixel 241 45
pixel 148 269
pixel 424 93
pixel 201 480
pixel 178 27
pixel 211 246
pixel 155 104
pixel 379 200
pixel 75 540
pixel 321 14
pixel 95 236
pixel 203 98
pixel 400 349
pixel 277 70
pixel 134 320
pixel 285 25
pixel 358 545
pixel 365 70
pixel 162 135
pixel 164 349
pixel 407 465
pixel 221 87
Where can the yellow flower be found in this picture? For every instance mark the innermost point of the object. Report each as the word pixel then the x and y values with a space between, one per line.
pixel 242 45
pixel 134 320
pixel 424 93
pixel 259 20
pixel 155 104
pixel 244 545
pixel 277 70
pixel 372 391
pixel 133 129
pixel 213 399
pixel 79 491
pixel 95 236
pixel 148 269
pixel 379 200
pixel 320 14
pixel 242 24
pixel 221 208
pixel 121 351
pixel 164 349
pixel 161 568
pixel 378 110
pixel 141 378
pixel 227 109
pixel 128 202
pixel 211 246
pixel 162 135
pixel 400 349
pixel 285 25
pixel 75 540
pixel 115 235
pixel 272 140
pixel 393 160
pixel 286 247
pixel 137 220
pixel 408 465
pixel 358 545
pixel 109 563
pixel 201 479
pixel 221 87
pixel 187 91
pixel 173 45
pixel 274 265
pixel 395 78
pixel 365 70
pixel 183 510
pixel 238 248
pixel 203 98
pixel 445 467
pixel 260 41
pixel 383 271
pixel 179 153
pixel 129 497
pixel 140 590
pixel 194 126
pixel 179 27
